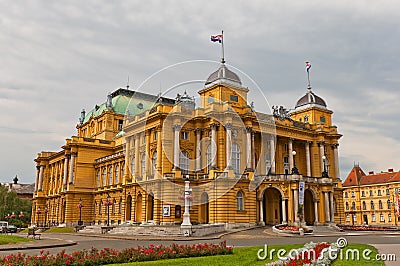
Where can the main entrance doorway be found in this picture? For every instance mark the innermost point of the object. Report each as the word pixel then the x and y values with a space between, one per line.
pixel 272 208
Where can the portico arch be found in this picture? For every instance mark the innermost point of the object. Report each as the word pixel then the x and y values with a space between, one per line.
pixel 309 207
pixel 272 205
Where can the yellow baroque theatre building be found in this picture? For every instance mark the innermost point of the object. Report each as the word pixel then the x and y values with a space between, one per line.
pixel 133 153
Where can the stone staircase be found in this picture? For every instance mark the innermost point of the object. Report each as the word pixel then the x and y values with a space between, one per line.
pixel 159 231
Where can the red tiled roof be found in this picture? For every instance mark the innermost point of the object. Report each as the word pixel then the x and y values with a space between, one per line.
pixel 358 177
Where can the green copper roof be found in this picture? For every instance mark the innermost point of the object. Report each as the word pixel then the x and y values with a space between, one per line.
pixel 125 100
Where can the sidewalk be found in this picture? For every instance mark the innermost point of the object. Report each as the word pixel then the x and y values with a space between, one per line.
pixel 385 249
pixel 42 243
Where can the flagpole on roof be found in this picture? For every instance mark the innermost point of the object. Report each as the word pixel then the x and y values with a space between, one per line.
pixel 222 42
pixel 308 66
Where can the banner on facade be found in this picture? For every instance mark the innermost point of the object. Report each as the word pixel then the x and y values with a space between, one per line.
pixel 397 205
pixel 301 192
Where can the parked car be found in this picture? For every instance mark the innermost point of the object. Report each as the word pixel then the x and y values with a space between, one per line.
pixel 11 228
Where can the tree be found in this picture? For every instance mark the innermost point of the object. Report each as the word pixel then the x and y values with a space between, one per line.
pixel 11 208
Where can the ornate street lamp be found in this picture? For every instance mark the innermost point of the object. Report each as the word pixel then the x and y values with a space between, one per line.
pixel 325 172
pixel 295 171
pixel 108 203
pixel 46 210
pixel 38 212
pixel 80 205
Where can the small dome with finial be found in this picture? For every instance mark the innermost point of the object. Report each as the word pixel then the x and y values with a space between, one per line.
pixel 223 75
pixel 310 100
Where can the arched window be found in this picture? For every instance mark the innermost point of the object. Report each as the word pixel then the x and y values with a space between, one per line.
pixel 184 162
pixel 95 207
pixel 240 201
pixel 372 205
pixel 98 178
pixel 133 165
pixel 110 176
pixel 120 206
pixel 100 207
pixel 104 176
pixel 117 174
pixel 371 193
pixel 364 205
pixel 380 204
pixel 143 164
pixel 347 205
pixel 267 163
pixel 353 206
pixel 387 192
pixel 379 192
pixel 346 195
pixel 122 169
pixel 389 204
pixel 236 158
pixel 114 206
pixel 154 163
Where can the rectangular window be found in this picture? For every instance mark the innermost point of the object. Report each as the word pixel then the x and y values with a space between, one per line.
pixel 362 193
pixel 354 218
pixel 210 99
pixel 382 219
pixel 347 218
pixel 352 194
pixel 389 217
pixel 234 98
pixel 120 123
pixel 373 218
pixel 155 135
pixel 379 193
pixel 184 135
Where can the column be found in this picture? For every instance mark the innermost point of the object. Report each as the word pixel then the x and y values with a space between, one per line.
pixel 214 146
pixel 41 170
pixel 126 176
pixel 177 129
pixel 261 211
pixel 272 153
pixel 228 128
pixel 137 159
pixel 37 179
pixel 327 212
pixel 336 157
pixel 248 148
pixel 332 207
pixel 71 167
pixel 308 158
pixel 159 154
pixel 147 170
pixel 321 153
pixel 197 131
pixel 316 211
pixel 290 146
pixel 253 155
pixel 284 211
pixel 296 204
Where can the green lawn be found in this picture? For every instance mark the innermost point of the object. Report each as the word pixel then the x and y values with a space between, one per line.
pixel 248 256
pixel 9 239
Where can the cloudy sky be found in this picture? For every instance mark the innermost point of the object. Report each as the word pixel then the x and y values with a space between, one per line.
pixel 58 57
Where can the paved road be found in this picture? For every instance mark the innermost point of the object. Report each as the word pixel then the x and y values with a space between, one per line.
pixel 256 237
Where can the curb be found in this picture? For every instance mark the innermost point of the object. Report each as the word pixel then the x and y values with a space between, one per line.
pixel 22 247
pixel 166 238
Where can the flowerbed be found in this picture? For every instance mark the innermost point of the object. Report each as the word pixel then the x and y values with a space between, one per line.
pixel 366 228
pixel 291 229
pixel 110 256
pixel 310 254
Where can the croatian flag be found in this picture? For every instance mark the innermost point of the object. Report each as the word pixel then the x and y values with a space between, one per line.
pixel 308 66
pixel 216 38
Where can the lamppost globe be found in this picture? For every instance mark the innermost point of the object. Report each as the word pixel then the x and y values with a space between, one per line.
pixel 295 171
pixel 324 157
